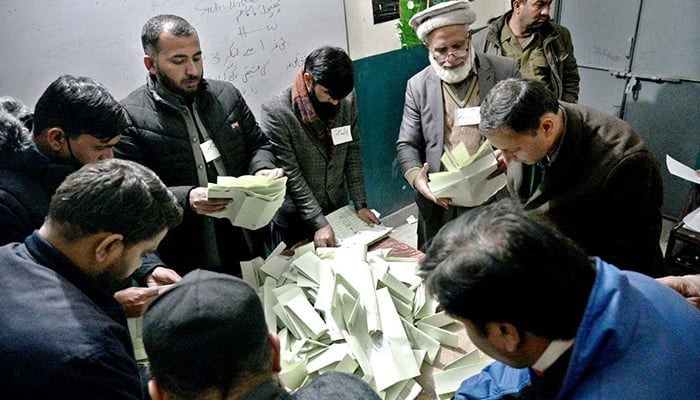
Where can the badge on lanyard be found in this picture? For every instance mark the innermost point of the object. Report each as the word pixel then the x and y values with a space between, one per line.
pixel 341 135
pixel 209 150
pixel 467 116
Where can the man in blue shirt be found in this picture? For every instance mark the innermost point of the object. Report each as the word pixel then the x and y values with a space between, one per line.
pixel 560 325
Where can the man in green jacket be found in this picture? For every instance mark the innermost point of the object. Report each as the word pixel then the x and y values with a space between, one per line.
pixel 543 49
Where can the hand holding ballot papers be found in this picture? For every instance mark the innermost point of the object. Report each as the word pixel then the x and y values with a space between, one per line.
pixel 466 180
pixel 255 199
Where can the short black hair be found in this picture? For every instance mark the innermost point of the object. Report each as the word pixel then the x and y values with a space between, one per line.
pixel 332 68
pixel 116 196
pixel 79 105
pixel 152 29
pixel 516 105
pixel 500 263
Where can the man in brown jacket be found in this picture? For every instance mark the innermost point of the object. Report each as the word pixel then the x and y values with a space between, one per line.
pixel 589 172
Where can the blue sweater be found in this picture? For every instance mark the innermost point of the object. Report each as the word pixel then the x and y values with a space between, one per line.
pixel 637 340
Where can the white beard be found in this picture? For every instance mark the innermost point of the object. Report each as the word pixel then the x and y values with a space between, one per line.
pixel 452 75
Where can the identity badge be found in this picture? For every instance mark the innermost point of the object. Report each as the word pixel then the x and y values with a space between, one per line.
pixel 467 116
pixel 209 150
pixel 341 135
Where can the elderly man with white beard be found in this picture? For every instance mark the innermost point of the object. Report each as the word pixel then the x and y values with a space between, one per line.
pixel 439 102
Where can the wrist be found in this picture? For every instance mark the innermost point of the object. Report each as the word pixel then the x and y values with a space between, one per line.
pixel 359 205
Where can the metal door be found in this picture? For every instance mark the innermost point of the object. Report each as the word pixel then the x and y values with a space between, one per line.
pixel 640 60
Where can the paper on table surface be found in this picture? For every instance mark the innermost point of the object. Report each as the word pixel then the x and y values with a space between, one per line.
pixel 353 231
pixel 391 356
pixel 681 170
pixel 256 199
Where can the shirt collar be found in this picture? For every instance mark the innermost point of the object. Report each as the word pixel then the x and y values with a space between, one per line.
pixel 551 354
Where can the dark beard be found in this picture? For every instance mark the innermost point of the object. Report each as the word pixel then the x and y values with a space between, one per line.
pixel 171 86
pixel 325 111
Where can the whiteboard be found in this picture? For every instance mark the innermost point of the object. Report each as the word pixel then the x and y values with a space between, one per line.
pixel 258 45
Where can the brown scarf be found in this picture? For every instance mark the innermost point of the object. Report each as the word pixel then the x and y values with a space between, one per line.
pixel 305 113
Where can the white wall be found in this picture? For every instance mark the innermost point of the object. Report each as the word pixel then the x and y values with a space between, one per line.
pixel 366 39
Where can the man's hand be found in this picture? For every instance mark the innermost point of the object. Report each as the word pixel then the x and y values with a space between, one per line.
pixel 421 185
pixel 325 237
pixel 684 286
pixel 136 299
pixel 501 166
pixel 200 204
pixel 276 173
pixel 368 216
pixel 162 276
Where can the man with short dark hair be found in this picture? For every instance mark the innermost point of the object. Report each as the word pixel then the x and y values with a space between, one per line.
pixel 588 171
pixel 542 48
pixel 441 107
pixel 190 130
pixel 313 129
pixel 560 325
pixel 62 333
pixel 206 337
pixel 76 121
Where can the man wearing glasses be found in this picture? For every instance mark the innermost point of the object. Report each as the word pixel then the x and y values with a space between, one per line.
pixel 441 106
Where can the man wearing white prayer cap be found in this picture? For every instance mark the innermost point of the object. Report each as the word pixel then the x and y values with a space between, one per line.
pixel 439 110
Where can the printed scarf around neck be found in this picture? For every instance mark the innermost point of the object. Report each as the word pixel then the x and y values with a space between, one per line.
pixel 305 113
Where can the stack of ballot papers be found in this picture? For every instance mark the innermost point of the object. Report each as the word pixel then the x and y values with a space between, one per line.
pixel 256 199
pixel 349 310
pixel 464 180
pixel 352 231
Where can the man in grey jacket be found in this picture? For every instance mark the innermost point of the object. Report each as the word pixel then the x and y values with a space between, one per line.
pixel 543 48
pixel 313 129
pixel 190 130
pixel 437 98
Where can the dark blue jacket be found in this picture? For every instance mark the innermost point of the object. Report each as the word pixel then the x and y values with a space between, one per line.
pixel 638 340
pixel 61 335
pixel 27 181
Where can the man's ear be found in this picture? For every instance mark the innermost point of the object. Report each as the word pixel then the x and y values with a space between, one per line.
pixel 56 138
pixel 109 248
pixel 308 80
pixel 504 336
pixel 150 64
pixel 276 352
pixel 157 392
pixel 547 124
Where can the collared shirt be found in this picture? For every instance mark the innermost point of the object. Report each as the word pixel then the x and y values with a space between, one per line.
pixel 551 354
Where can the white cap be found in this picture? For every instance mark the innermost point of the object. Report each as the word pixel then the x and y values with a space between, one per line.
pixel 443 14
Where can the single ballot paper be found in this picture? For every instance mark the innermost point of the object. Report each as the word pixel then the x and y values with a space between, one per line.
pixel 352 231
pixel 256 199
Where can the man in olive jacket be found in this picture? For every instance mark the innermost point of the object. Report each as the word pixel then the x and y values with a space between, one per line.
pixel 543 49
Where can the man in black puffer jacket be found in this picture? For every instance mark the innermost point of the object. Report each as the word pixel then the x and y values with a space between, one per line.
pixel 189 131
